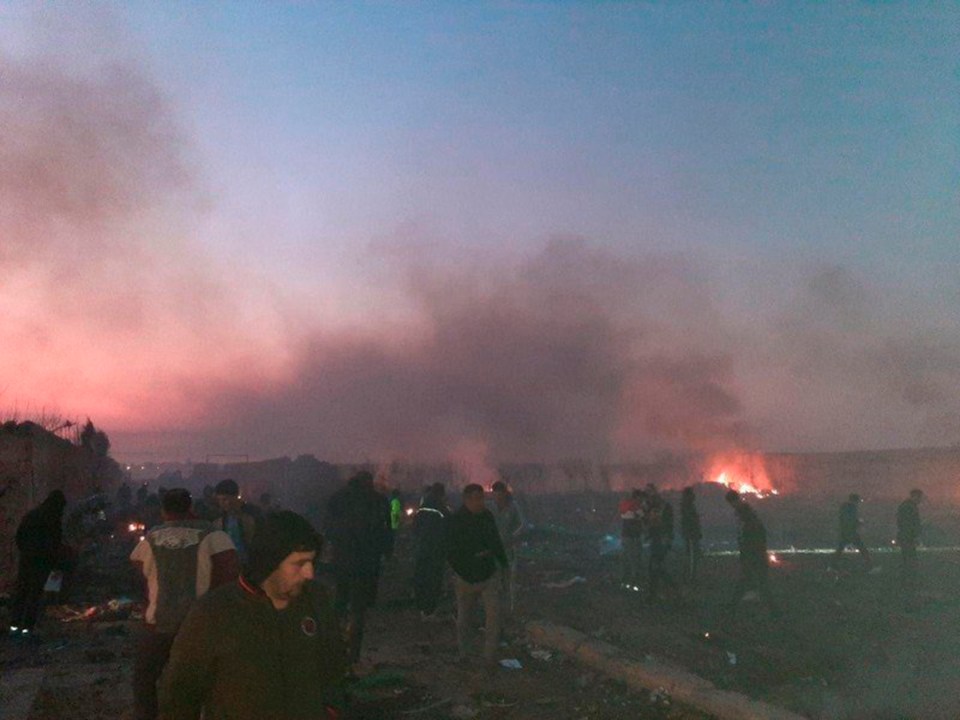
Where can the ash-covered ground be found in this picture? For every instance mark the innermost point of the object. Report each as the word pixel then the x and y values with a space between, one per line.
pixel 845 646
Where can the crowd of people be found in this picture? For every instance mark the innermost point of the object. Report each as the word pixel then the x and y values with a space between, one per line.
pixel 646 519
pixel 237 626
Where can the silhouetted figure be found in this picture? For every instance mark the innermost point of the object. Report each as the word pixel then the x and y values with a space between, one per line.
pixel 142 493
pixel 692 534
pixel 631 538
pixel 510 525
pixel 124 497
pixel 358 527
pixel 754 562
pixel 180 560
pixel 658 519
pixel 430 549
pixel 850 530
pixel 40 544
pixel 908 536
pixel 237 518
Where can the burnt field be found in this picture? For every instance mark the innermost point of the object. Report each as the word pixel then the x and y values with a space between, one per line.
pixel 845 645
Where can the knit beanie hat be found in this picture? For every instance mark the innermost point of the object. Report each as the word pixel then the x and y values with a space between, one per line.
pixel 278 535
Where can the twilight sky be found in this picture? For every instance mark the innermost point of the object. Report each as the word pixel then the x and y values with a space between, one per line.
pixel 544 230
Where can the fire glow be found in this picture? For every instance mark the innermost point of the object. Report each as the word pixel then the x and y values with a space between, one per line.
pixel 744 473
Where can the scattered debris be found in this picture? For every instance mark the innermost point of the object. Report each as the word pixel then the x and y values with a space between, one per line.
pixel 565 583
pixel 463 712
pixel 511 664
pixel 541 654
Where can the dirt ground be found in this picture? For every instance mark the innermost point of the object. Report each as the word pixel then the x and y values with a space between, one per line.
pixel 846 646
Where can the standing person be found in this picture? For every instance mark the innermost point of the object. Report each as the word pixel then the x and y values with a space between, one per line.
pixel 180 559
pixel 631 537
pixel 40 544
pixel 510 525
pixel 908 536
pixel 237 518
pixel 430 549
pixel 658 519
pixel 691 532
pixel 475 554
pixel 754 562
pixel 850 530
pixel 358 527
pixel 264 648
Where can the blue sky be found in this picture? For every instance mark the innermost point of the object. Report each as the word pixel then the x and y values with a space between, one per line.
pixel 767 145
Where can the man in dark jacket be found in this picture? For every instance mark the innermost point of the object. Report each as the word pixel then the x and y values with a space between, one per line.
pixel 358 527
pixel 430 549
pixel 754 561
pixel 40 543
pixel 908 536
pixel 476 555
pixel 267 646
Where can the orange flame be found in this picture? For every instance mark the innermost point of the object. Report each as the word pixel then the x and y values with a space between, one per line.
pixel 745 473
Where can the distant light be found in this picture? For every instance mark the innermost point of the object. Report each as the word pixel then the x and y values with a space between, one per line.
pixel 409 511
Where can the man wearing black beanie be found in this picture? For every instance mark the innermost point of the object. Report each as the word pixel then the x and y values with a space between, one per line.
pixel 265 647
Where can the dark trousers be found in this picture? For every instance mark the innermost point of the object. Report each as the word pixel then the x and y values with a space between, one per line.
pixel 31 577
pixel 691 558
pixel 428 582
pixel 153 651
pixel 853 541
pixel 658 568
pixel 356 593
pixel 908 567
pixel 754 575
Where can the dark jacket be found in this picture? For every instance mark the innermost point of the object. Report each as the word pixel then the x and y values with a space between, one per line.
pixel 239 658
pixel 430 531
pixel 849 520
pixel 908 523
pixel 690 521
pixel 358 527
pixel 752 537
pixel 40 533
pixel 474 546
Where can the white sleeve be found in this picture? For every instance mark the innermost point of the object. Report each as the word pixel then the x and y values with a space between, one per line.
pixel 218 542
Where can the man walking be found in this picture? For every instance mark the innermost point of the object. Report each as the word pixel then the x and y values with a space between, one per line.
pixel 754 562
pixel 850 530
pixel 908 536
pixel 180 559
pixel 266 646
pixel 358 527
pixel 476 554
pixel 430 549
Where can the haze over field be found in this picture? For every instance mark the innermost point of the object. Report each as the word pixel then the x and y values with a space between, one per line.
pixel 374 231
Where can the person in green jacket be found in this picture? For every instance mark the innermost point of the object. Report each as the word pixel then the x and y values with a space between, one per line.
pixel 267 646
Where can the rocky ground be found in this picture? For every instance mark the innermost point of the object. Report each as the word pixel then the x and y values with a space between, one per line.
pixel 845 646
